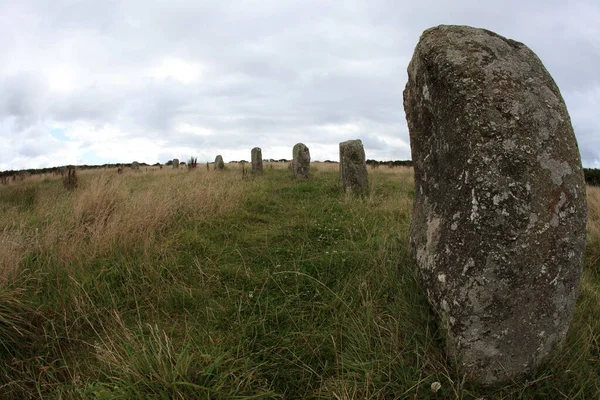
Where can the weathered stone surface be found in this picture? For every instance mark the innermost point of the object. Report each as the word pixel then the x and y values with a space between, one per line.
pixel 257 162
pixel 219 164
pixel 499 216
pixel 301 161
pixel 353 167
pixel 135 165
pixel 176 163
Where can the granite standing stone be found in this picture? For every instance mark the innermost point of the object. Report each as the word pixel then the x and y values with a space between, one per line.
pixel 176 163
pixel 353 167
pixel 135 165
pixel 219 164
pixel 499 215
pixel 257 162
pixel 301 161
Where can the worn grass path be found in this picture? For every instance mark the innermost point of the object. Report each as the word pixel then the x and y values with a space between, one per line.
pixel 294 291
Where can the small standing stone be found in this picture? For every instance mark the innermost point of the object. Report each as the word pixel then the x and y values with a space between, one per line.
pixel 135 165
pixel 353 167
pixel 499 214
pixel 301 161
pixel 257 162
pixel 219 164
pixel 70 179
pixel 176 163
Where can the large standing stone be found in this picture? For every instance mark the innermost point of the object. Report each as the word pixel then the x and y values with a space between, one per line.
pixel 176 163
pixel 353 167
pixel 301 161
pixel 257 162
pixel 219 164
pixel 499 215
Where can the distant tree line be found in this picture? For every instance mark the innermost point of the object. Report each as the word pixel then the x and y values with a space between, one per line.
pixel 396 163
pixel 592 175
pixel 50 170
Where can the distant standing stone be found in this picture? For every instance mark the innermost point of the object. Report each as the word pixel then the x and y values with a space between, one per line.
pixel 353 167
pixel 301 161
pixel 176 163
pixel 257 162
pixel 499 215
pixel 135 165
pixel 219 164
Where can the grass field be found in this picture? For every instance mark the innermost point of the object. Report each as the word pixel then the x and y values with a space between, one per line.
pixel 166 284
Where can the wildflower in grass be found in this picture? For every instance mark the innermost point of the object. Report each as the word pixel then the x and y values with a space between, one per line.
pixel 435 386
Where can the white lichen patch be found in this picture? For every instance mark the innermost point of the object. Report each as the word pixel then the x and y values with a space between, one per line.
pixel 558 169
pixel 499 197
pixel 508 145
pixel 441 278
pixel 475 205
pixel 433 226
pixel 426 253
pixel 469 264
pixel 426 93
pixel 445 306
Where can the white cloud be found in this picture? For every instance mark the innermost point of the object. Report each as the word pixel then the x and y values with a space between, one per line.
pixel 155 80
pixel 177 69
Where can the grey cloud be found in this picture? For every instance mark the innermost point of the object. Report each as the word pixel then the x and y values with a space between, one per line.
pixel 23 95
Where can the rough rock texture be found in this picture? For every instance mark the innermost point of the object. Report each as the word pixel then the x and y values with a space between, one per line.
pixel 257 162
pixel 353 167
pixel 499 215
pixel 301 161
pixel 219 164
pixel 176 163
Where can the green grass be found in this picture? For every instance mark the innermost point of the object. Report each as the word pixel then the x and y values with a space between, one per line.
pixel 298 291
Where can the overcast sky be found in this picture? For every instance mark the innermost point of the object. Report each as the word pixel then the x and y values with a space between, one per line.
pixel 94 82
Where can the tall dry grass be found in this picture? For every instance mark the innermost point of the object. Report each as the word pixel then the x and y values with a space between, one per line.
pixel 13 251
pixel 593 228
pixel 592 257
pixel 107 212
